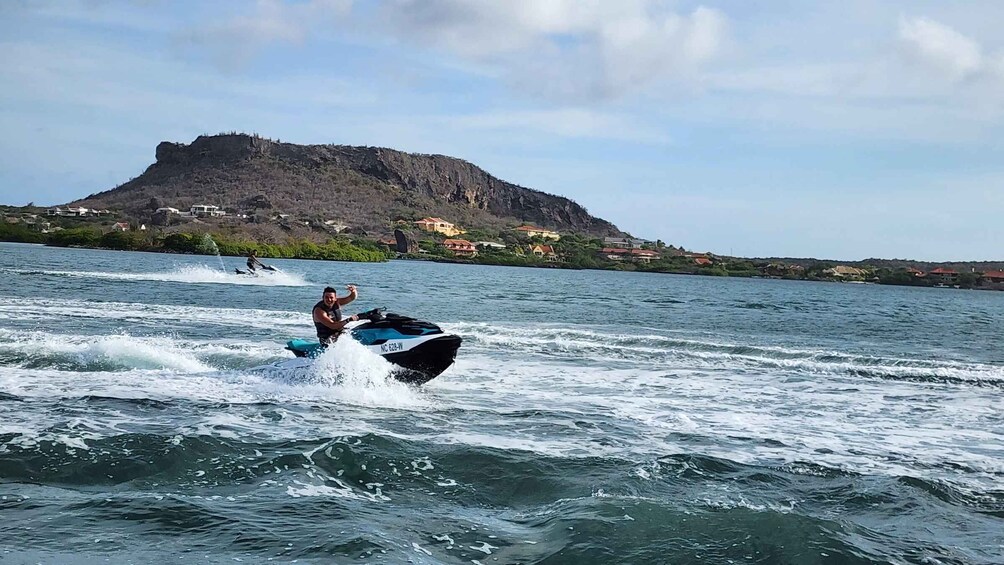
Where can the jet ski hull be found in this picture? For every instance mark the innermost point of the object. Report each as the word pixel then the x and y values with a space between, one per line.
pixel 420 350
pixel 426 361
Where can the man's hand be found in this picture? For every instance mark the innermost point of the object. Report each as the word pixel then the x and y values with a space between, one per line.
pixel 352 289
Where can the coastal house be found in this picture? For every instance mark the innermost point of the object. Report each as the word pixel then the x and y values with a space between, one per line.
pixel 70 212
pixel 781 270
pixel 845 272
pixel 702 261
pixel 625 242
pixel 533 231
pixel 914 272
pixel 438 225
pixel 545 252
pixel 633 255
pixel 206 211
pixel 944 276
pixel 490 245
pixel 644 255
pixel 460 247
pixel 168 211
pixel 614 254
pixel 120 226
pixel 993 280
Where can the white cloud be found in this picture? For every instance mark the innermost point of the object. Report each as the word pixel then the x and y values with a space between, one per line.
pixel 941 47
pixel 233 43
pixel 562 49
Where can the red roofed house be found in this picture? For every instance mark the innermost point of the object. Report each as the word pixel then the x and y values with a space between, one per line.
pixel 614 253
pixel 994 279
pixel 645 255
pixel 944 276
pixel 120 226
pixel 636 255
pixel 461 247
pixel 544 252
pixel 702 261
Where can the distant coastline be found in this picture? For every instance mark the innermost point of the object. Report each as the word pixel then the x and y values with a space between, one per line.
pixel 576 253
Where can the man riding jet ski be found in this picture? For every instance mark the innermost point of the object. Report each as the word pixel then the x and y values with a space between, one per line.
pixel 253 263
pixel 420 349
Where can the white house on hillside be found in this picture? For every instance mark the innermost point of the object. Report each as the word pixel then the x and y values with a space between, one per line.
pixel 206 210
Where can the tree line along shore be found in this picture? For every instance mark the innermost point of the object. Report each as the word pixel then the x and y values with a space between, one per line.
pixel 526 248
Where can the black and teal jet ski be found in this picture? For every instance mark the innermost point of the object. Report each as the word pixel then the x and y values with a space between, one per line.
pixel 421 350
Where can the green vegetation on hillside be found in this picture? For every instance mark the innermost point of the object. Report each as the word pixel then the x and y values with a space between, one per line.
pixel 513 248
pixel 340 249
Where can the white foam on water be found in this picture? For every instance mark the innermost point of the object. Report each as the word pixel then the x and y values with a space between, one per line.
pixel 132 352
pixel 143 354
pixel 650 349
pixel 44 310
pixel 299 490
pixel 861 425
pixel 360 376
pixel 193 274
pixel 638 397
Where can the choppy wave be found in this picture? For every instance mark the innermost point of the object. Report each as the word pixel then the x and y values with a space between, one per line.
pixel 555 342
pixel 131 431
pixel 306 500
pixel 193 274
pixel 152 314
pixel 653 350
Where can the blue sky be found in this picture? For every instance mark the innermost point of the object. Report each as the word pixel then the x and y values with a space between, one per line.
pixel 842 130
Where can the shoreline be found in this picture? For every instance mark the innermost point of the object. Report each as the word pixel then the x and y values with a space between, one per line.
pixel 553 266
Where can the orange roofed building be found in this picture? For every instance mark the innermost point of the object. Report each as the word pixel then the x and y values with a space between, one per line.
pixel 461 247
pixel 944 276
pixel 544 252
pixel 438 225
pixel 636 255
pixel 994 276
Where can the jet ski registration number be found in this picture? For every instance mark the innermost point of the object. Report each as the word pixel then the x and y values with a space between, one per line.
pixel 391 347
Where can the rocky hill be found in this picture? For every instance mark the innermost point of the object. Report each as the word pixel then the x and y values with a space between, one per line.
pixel 367 188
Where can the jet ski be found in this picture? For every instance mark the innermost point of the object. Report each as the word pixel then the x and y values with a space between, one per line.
pixel 421 350
pixel 251 273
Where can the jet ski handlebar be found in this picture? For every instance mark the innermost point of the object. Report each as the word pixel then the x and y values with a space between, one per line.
pixel 374 315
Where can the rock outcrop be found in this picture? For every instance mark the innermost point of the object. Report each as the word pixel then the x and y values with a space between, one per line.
pixel 364 187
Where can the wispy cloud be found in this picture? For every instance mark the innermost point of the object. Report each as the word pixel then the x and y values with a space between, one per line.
pixel 940 47
pixel 562 49
pixel 701 114
pixel 232 43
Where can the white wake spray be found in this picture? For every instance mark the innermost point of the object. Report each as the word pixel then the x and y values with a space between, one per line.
pixel 194 274
pixel 359 376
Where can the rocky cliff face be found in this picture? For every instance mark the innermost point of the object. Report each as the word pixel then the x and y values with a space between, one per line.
pixel 368 187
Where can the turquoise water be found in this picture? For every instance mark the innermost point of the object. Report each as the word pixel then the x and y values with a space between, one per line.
pixel 592 417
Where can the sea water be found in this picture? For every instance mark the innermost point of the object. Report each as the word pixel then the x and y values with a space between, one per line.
pixel 591 417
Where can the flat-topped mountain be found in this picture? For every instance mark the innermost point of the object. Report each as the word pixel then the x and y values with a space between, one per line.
pixel 362 187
